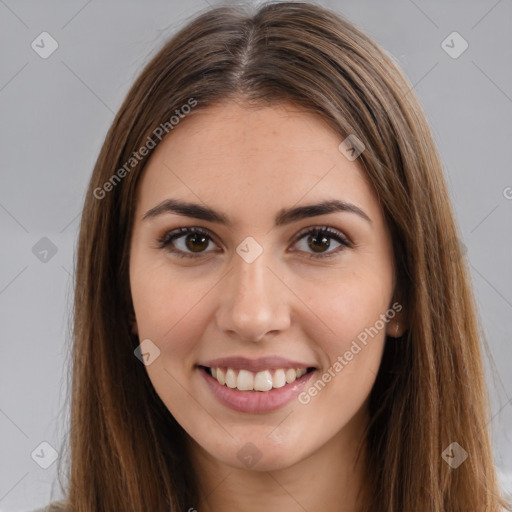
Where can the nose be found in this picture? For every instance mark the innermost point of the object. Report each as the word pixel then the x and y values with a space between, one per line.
pixel 253 301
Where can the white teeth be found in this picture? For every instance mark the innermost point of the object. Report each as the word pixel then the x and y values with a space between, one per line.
pixel 291 375
pixel 246 380
pixel 231 378
pixel 279 378
pixel 263 381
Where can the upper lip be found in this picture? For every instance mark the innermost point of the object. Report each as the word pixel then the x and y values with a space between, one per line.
pixel 255 365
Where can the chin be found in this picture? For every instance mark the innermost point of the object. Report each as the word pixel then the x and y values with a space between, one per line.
pixel 262 453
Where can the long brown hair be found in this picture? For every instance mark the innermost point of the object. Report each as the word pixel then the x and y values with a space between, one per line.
pixel 127 451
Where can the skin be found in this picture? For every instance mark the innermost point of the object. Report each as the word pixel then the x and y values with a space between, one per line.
pixel 249 163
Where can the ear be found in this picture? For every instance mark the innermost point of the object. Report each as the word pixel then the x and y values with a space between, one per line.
pixel 398 324
pixel 396 327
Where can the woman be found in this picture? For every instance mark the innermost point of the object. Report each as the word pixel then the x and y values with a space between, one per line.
pixel 272 310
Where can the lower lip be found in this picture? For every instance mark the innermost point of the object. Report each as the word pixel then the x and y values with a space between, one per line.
pixel 255 401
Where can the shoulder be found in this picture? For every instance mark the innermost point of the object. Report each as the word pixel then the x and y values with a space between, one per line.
pixel 55 506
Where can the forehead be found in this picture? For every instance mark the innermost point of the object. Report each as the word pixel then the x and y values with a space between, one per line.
pixel 234 156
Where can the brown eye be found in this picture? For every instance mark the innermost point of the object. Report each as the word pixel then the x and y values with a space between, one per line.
pixel 319 239
pixel 318 243
pixel 192 242
pixel 196 241
pixel 185 242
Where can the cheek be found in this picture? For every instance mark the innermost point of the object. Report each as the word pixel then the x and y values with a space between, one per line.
pixel 168 307
pixel 346 323
pixel 349 329
pixel 346 306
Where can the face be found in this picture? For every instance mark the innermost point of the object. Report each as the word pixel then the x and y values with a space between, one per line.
pixel 264 281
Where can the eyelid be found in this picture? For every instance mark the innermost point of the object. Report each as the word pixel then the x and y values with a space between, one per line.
pixel 174 234
pixel 336 234
pixel 323 228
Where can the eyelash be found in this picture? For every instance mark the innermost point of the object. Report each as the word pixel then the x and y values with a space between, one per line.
pixel 165 242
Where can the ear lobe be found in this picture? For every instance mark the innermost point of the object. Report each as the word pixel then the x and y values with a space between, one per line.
pixel 396 328
pixel 398 325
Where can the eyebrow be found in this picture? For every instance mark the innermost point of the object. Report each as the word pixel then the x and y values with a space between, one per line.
pixel 283 217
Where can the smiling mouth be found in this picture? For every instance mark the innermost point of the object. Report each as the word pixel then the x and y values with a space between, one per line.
pixel 266 380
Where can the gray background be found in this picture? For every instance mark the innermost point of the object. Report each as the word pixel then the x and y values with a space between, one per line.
pixel 56 111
